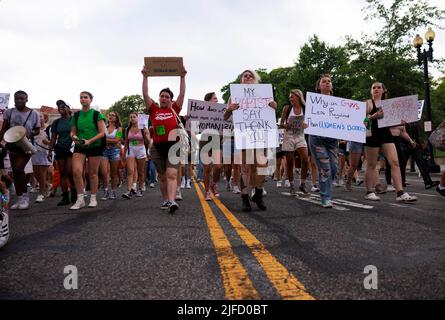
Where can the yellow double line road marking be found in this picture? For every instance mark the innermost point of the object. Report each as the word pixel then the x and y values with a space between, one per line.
pixel 287 285
pixel 236 282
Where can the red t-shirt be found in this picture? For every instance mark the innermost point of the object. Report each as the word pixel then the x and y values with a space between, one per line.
pixel 163 121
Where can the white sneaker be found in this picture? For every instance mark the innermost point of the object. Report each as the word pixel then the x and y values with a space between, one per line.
pixel 265 193
pixel 139 193
pixel 152 185
pixel 178 195
pixel 80 203
pixel 390 188
pixel 406 198
pixel 372 197
pixel 287 184
pixel 143 189
pixel 279 184
pixel 183 183
pixel 4 229
pixel 24 204
pixel 315 189
pixel 236 190
pixel 40 198
pixel 15 206
pixel 93 202
pixel 188 184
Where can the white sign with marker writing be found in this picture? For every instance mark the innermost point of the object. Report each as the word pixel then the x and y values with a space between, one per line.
pixel 334 117
pixel 204 115
pixel 254 123
pixel 399 110
pixel 251 95
pixel 143 120
pixel 255 128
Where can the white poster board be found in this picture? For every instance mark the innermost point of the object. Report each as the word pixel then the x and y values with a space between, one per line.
pixel 398 110
pixel 4 101
pixel 255 123
pixel 334 117
pixel 251 95
pixel 255 128
pixel 143 120
pixel 204 115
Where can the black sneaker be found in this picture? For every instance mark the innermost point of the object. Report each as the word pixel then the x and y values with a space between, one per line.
pixel 441 191
pixel 127 195
pixel 65 200
pixel 246 203
pixel 303 189
pixel 258 199
pixel 432 184
pixel 173 207
pixel 165 205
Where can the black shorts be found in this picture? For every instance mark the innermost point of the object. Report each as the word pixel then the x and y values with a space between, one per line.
pixel 62 153
pixel 90 152
pixel 382 136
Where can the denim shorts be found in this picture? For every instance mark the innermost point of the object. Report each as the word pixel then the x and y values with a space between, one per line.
pixel 355 147
pixel 112 154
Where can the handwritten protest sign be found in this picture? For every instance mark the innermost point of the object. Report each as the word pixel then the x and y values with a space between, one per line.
pixel 251 95
pixel 204 115
pixel 335 117
pixel 295 124
pixel 398 110
pixel 420 105
pixel 255 128
pixel 164 66
pixel 143 120
pixel 255 123
pixel 4 101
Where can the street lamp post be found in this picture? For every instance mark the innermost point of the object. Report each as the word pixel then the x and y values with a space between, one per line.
pixel 423 58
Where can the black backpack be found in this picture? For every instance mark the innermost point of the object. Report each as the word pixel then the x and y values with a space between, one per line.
pixel 95 119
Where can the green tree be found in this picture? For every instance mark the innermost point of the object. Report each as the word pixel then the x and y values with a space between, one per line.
pixel 127 105
pixel 438 103
pixel 388 55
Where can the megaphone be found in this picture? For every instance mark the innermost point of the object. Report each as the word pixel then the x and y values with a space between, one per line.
pixel 17 137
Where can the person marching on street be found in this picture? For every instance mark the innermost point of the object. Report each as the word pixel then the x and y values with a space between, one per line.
pixel 164 121
pixel 28 118
pixel 88 133
pixel 294 140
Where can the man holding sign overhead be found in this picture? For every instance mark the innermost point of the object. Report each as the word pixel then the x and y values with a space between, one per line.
pixel 255 129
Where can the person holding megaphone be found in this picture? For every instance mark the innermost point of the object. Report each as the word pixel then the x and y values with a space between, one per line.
pixel 29 119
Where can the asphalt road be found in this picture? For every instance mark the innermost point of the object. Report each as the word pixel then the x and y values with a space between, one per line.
pixel 130 249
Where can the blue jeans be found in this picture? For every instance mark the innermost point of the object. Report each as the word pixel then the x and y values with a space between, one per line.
pixel 151 171
pixel 324 150
pixel 200 170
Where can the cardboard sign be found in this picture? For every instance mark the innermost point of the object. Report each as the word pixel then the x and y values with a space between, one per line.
pixel 334 117
pixel 204 115
pixel 296 124
pixel 164 66
pixel 255 128
pixel 398 110
pixel 4 101
pixel 251 95
pixel 143 120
